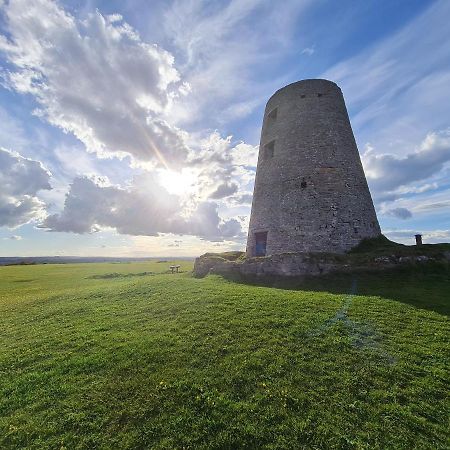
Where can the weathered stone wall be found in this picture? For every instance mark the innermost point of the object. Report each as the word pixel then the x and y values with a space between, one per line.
pixel 309 264
pixel 310 194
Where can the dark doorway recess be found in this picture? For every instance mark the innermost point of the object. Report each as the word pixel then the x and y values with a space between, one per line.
pixel 260 243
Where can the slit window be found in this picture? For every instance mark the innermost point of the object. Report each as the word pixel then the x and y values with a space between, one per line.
pixel 269 150
pixel 319 95
pixel 273 114
pixel 302 96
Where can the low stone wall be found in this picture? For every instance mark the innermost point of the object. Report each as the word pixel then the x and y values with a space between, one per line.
pixel 305 264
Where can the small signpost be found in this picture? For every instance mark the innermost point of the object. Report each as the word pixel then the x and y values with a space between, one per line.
pixel 174 268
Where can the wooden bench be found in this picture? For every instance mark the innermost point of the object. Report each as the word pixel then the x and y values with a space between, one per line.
pixel 174 268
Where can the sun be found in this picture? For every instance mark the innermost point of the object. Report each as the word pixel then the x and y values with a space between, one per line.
pixel 179 183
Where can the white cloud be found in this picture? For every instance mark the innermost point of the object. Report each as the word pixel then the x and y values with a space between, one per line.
pixel 20 180
pixel 391 176
pixel 222 57
pixel 162 202
pixel 426 208
pixel 242 199
pixel 223 169
pixel 99 80
pixel 308 51
pixel 167 245
pixel 94 78
pixel 399 213
pixel 142 209
pixel 429 206
pixel 417 189
pixel 394 88
pixel 245 155
pixel 12 134
pixel 224 190
pixel 14 237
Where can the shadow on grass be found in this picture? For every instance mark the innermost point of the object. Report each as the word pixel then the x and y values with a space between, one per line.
pixel 425 286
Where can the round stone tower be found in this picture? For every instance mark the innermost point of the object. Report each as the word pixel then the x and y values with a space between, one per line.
pixel 311 194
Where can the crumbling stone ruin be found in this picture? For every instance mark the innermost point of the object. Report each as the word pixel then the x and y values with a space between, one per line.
pixel 388 255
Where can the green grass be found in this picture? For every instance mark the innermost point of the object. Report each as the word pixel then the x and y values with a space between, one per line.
pixel 380 243
pixel 116 356
pixel 383 246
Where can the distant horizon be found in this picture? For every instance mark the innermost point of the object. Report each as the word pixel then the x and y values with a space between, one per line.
pixel 130 258
pixel 141 257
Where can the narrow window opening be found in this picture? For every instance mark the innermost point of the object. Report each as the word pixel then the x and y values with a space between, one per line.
pixel 319 95
pixel 303 184
pixel 302 96
pixel 269 150
pixel 273 114
pixel 355 230
pixel 260 243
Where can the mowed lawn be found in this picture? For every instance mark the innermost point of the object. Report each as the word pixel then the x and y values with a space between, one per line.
pixel 115 356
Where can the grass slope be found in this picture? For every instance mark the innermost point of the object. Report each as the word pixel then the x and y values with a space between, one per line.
pixel 110 356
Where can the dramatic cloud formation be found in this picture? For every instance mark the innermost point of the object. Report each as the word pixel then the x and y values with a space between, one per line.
pixel 20 180
pixel 164 118
pixel 101 82
pixel 223 169
pixel 141 209
pixel 94 78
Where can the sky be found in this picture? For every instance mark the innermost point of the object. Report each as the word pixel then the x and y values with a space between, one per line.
pixel 131 128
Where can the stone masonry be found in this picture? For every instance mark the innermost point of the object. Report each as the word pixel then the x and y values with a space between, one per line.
pixel 313 264
pixel 311 194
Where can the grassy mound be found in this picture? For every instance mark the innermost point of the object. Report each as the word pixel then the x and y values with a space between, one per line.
pixel 170 361
pixel 382 245
pixel 371 254
pixel 227 256
pixel 378 244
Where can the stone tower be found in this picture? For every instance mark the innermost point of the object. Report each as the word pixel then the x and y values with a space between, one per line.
pixel 311 194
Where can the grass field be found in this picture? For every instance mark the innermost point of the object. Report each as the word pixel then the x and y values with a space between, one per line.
pixel 114 356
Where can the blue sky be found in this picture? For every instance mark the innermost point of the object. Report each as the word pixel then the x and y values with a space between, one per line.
pixel 131 128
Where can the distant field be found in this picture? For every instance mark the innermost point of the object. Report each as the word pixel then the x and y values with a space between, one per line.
pixel 125 356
